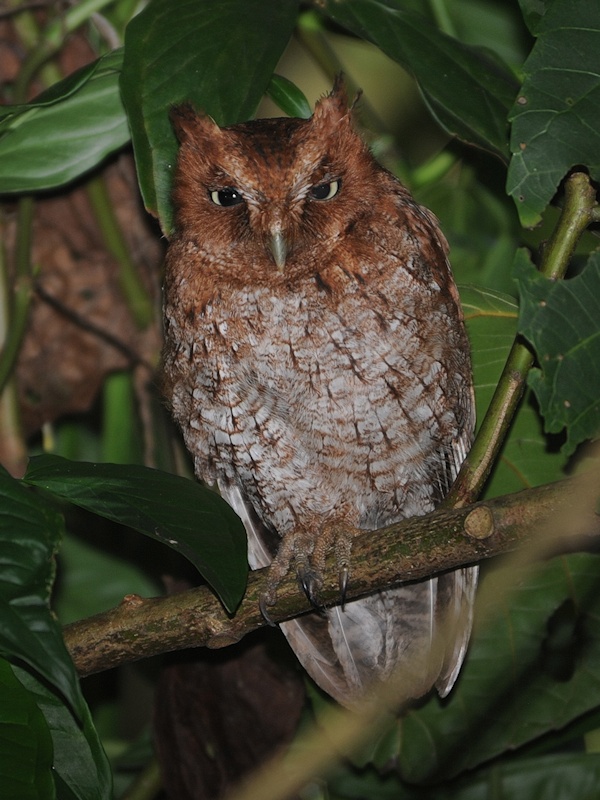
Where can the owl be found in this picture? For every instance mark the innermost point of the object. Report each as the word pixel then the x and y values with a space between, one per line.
pixel 317 363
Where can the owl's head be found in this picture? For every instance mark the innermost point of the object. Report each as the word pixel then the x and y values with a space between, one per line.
pixel 265 193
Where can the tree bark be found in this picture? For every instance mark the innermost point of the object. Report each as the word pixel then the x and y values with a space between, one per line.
pixel 550 519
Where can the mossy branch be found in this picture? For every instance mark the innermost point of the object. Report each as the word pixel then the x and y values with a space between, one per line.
pixel 410 550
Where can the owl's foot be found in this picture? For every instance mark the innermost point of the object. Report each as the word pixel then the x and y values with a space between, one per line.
pixel 339 538
pixel 291 549
pixel 308 554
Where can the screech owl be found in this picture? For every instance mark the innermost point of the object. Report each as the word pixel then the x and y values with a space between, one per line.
pixel 316 361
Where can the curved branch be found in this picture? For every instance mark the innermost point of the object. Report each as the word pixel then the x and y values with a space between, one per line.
pixel 579 210
pixel 410 550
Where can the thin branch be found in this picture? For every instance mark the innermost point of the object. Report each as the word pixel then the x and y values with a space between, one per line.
pixel 578 212
pixel 411 550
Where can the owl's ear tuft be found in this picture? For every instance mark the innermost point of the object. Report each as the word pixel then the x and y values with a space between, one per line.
pixel 188 123
pixel 332 109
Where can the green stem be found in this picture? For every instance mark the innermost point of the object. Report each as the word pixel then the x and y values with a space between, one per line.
pixel 135 293
pixel 432 170
pixel 16 308
pixel 578 211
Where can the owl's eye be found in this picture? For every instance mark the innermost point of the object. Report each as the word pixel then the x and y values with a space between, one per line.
pixel 226 197
pixel 325 191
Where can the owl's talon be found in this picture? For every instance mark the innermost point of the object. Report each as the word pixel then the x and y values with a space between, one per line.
pixel 263 601
pixel 311 584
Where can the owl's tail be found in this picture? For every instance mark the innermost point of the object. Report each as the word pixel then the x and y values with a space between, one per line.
pixel 416 633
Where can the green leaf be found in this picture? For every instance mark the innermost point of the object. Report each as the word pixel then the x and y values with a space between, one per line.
pixel 175 511
pixel 26 751
pixel 525 461
pixel 218 54
pixel 556 118
pixel 561 319
pixel 556 777
pixel 29 633
pixel 499 27
pixel 29 535
pixel 482 229
pixel 65 132
pixel 468 90
pixel 533 12
pixel 531 669
pixel 288 97
pixel 94 580
pixel 80 763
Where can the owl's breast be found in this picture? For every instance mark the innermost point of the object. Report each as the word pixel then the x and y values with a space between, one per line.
pixel 313 406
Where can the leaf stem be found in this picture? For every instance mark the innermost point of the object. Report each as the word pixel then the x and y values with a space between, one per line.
pixel 14 309
pixel 579 210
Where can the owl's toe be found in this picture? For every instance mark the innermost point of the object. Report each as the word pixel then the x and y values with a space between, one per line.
pixel 266 599
pixel 311 582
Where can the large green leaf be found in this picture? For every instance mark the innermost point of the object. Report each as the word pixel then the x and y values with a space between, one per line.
pixel 218 54
pixel 482 228
pixel 175 511
pixel 26 744
pixel 65 132
pixel 29 633
pixel 556 118
pixel 468 90
pixel 557 777
pixel 80 764
pixel 562 321
pixel 525 460
pixel 29 535
pixel 94 579
pixel 533 11
pixel 531 669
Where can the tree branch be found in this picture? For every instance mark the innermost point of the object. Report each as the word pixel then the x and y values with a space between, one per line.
pixel 579 210
pixel 410 550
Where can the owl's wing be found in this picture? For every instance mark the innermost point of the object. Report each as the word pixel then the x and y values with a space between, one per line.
pixel 456 596
pixel 259 554
pixel 456 589
pixel 308 636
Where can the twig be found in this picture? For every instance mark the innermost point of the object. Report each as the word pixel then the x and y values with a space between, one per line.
pixel 579 210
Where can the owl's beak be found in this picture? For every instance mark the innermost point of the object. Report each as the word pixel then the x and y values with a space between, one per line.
pixel 278 247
